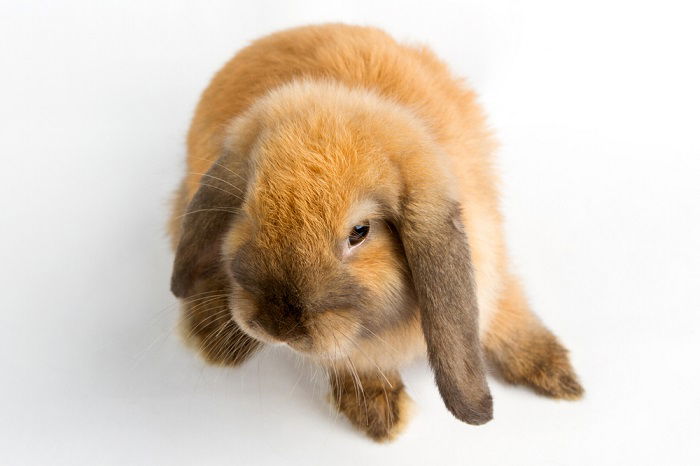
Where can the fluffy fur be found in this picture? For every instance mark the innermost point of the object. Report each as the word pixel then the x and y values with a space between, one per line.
pixel 304 134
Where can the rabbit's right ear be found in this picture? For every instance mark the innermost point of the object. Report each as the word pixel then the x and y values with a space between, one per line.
pixel 206 220
pixel 436 248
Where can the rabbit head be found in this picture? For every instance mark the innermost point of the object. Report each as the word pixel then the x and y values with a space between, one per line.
pixel 332 212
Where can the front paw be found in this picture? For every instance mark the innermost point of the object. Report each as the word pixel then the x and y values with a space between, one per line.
pixel 221 343
pixel 377 406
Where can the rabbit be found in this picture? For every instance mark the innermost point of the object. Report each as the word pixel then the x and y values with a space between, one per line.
pixel 340 200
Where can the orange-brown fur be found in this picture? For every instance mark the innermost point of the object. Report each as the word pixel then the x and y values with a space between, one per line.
pixel 378 406
pixel 526 352
pixel 318 117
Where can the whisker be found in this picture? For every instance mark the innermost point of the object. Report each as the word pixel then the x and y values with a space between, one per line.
pixel 222 166
pixel 195 297
pixel 220 189
pixel 211 338
pixel 366 356
pixel 231 210
pixel 368 330
pixel 166 334
pixel 219 179
pixel 220 312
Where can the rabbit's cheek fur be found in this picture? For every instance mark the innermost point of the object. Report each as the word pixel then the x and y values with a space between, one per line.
pixel 243 313
pixel 381 269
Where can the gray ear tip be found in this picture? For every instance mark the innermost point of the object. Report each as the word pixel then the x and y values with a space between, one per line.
pixel 475 413
pixel 177 285
pixel 175 290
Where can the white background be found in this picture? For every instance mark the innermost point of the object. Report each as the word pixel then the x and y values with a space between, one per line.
pixel 597 108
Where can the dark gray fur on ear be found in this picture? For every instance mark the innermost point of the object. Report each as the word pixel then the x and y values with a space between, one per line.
pixel 438 256
pixel 208 216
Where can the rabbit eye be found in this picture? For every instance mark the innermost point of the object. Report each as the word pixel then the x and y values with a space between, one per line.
pixel 358 234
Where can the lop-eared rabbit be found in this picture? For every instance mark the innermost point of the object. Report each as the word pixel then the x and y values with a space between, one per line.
pixel 340 199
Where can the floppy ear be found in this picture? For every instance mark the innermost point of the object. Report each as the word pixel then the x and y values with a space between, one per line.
pixel 437 253
pixel 207 217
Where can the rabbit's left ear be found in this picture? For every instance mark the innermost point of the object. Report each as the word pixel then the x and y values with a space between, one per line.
pixel 206 220
pixel 438 256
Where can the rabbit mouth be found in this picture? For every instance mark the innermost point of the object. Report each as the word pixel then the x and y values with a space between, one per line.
pixel 318 339
pixel 301 343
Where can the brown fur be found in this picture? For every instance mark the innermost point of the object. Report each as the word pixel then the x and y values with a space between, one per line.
pixel 207 326
pixel 525 352
pixel 308 132
pixel 375 403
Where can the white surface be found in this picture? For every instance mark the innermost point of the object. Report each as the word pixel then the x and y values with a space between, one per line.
pixel 596 104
